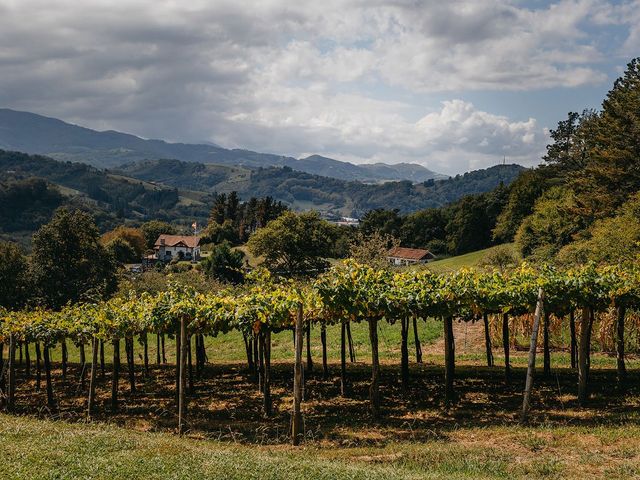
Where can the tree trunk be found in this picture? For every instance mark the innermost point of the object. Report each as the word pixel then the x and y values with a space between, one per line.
pixel 190 364
pixel 574 343
pixel 47 373
pixel 417 341
pixel 182 371
pixel 487 340
pixel 261 362
pixel 92 379
pixel 343 359
pixel 27 359
pixel 583 356
pixel 102 367
pixel 526 402
pixel 38 367
pixel 449 361
pixel 404 352
pixel 323 340
pixel 83 366
pixel 11 375
pixel 309 359
pixel 65 358
pixel 352 351
pixel 296 421
pixel 249 351
pixel 146 354
pixel 505 344
pixel 374 389
pixel 546 351
pixel 266 350
pixel 115 376
pixel 178 363
pixel 621 369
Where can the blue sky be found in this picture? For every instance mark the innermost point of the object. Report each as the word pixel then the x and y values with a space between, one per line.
pixel 453 85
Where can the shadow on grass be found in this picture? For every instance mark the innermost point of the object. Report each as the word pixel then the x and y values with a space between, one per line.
pixel 227 405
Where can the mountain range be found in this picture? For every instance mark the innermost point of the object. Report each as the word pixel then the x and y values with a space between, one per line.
pixel 37 134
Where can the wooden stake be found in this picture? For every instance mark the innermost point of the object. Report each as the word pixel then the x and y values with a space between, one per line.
pixel 296 423
pixel 621 371
pixel 182 406
pixel 417 341
pixel 343 359
pixel 487 340
pixel 404 352
pixel 323 340
pixel 115 376
pixel 449 360
pixel 505 344
pixel 531 367
pixel 583 356
pixel 374 389
pixel 92 379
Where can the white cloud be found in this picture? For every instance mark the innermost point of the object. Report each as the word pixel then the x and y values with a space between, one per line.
pixel 341 78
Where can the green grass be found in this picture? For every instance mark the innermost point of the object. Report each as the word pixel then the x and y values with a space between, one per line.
pixel 33 448
pixel 451 264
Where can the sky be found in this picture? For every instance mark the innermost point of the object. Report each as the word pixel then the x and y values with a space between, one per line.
pixel 451 85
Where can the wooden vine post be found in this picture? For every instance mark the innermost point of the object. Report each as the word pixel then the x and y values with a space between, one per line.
pixel 374 390
pixel 92 378
pixel 182 380
pixel 531 367
pixel 116 374
pixel 296 424
pixel 417 341
pixel 449 360
pixel 343 359
pixel 621 371
pixel 11 373
pixel 487 340
pixel 506 345
pixel 323 340
pixel 404 352
pixel 583 356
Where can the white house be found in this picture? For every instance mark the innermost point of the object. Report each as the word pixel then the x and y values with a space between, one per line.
pixel 408 256
pixel 185 247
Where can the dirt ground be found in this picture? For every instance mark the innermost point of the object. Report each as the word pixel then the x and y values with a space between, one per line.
pixel 226 403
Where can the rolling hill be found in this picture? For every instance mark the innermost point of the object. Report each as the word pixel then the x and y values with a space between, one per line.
pixel 37 134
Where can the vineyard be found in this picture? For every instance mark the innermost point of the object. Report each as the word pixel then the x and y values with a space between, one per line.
pixel 519 302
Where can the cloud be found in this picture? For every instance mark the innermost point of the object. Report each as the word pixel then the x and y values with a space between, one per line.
pixel 342 78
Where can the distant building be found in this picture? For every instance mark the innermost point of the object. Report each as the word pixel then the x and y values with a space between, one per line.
pixel 168 247
pixel 409 256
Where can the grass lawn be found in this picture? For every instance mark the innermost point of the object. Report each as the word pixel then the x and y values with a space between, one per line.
pixel 455 263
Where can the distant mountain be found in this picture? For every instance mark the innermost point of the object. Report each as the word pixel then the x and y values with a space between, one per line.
pixel 183 191
pixel 36 134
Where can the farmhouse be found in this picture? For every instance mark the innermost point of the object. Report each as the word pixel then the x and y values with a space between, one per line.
pixel 409 256
pixel 168 247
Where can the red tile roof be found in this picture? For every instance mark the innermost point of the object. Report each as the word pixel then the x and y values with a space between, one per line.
pixel 172 240
pixel 410 253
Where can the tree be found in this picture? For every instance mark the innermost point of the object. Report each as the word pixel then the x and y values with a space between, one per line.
pixel 469 228
pixel 153 229
pixel 551 226
pixel 294 243
pixel 523 193
pixel 422 229
pixel 121 251
pixel 13 276
pixel 68 264
pixel 612 172
pixel 224 264
pixel 372 249
pixel 134 237
pixel 384 221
